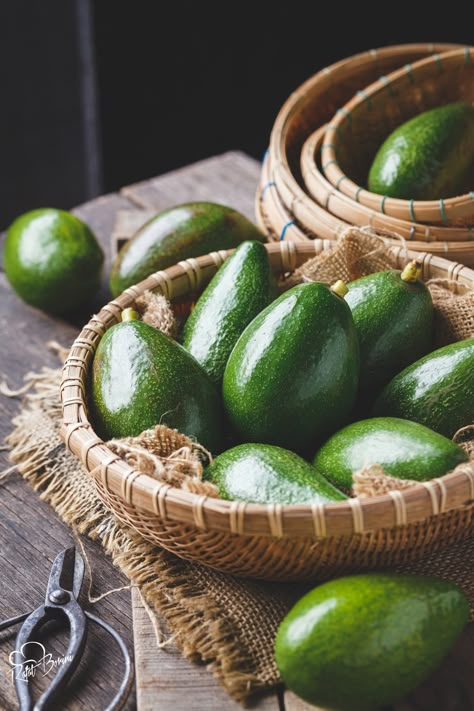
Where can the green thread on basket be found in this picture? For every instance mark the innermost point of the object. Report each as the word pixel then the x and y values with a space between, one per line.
pixel 382 204
pixel 339 180
pixel 467 55
pixel 333 160
pixel 409 70
pixel 365 96
pixel 385 80
pixel 471 195
pixel 412 212
pixel 442 210
pixel 357 193
pixel 334 128
pixel 328 145
pixel 438 61
pixel 345 113
pixel 285 227
pixel 270 184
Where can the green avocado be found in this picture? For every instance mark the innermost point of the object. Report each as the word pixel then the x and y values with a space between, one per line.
pixel 186 230
pixel 428 157
pixel 436 390
pixel 265 474
pixel 241 288
pixel 292 377
pixel 52 260
pixel 361 642
pixel 393 316
pixel 141 378
pixel 403 449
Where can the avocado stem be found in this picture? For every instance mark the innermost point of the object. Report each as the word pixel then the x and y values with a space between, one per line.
pixel 130 315
pixel 412 271
pixel 339 288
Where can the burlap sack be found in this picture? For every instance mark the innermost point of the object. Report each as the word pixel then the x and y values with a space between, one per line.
pixel 228 623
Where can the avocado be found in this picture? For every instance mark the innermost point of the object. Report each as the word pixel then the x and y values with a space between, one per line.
pixel 52 260
pixel 360 642
pixel 393 316
pixel 265 474
pixel 141 378
pixel 240 289
pixel 292 377
pixel 428 157
pixel 403 449
pixel 436 390
pixel 186 230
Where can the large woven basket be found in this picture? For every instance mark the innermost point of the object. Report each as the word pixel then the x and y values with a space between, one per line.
pixel 275 542
pixel 357 130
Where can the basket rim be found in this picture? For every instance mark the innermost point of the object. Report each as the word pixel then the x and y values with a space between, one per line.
pixel 324 77
pixel 274 196
pixel 155 498
pixel 317 184
pixel 440 210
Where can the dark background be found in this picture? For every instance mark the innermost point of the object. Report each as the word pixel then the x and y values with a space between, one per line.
pixel 96 95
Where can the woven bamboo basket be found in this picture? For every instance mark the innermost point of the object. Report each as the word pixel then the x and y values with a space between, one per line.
pixel 274 542
pixel 309 220
pixel 327 196
pixel 356 131
pixel 315 102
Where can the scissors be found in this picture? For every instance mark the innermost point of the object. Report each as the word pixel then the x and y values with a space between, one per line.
pixel 61 603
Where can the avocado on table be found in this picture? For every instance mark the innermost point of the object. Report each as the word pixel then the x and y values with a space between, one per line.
pixel 240 289
pixel 360 642
pixel 429 157
pixel 266 474
pixel 393 316
pixel 141 378
pixel 436 390
pixel 404 449
pixel 186 230
pixel 52 260
pixel 292 377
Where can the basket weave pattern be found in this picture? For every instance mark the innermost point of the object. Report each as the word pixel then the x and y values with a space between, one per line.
pixel 298 542
pixel 288 208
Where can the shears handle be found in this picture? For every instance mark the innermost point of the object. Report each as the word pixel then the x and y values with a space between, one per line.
pixel 77 621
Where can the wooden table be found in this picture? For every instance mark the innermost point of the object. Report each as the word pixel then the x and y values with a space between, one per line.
pixel 31 534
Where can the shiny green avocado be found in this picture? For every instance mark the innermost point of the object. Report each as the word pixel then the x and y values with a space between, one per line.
pixel 429 157
pixel 361 642
pixel 393 316
pixel 141 378
pixel 52 260
pixel 292 377
pixel 186 230
pixel 436 390
pixel 240 289
pixel 403 449
pixel 265 474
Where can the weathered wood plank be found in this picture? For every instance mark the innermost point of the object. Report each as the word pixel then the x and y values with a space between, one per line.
pixel 230 178
pixel 164 676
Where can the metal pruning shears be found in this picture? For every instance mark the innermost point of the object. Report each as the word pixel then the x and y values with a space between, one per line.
pixel 61 603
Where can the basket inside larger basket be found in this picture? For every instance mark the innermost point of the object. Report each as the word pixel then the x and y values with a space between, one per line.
pixel 164 501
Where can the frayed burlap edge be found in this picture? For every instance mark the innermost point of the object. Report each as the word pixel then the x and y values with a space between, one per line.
pixel 163 579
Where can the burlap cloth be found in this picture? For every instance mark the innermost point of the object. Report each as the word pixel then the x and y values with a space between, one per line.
pixel 225 622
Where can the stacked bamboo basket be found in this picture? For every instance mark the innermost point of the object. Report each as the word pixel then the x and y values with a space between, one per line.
pixel 327 133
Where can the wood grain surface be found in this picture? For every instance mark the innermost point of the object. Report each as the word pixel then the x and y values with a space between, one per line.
pixel 31 534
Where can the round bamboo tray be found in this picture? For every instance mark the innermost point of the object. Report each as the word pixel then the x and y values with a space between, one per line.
pixel 342 206
pixel 309 220
pixel 315 101
pixel 356 131
pixel 274 542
